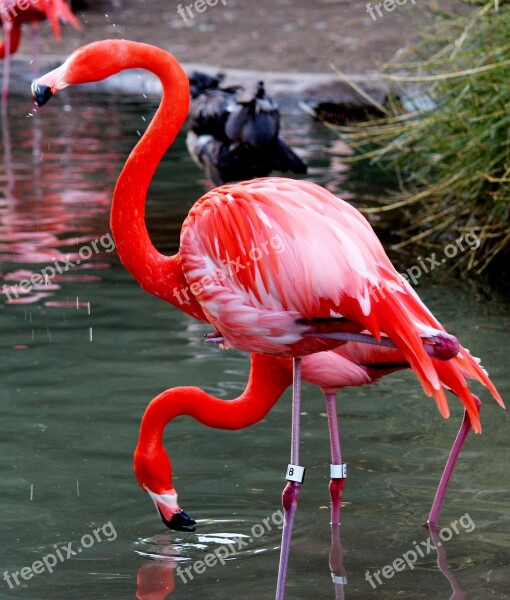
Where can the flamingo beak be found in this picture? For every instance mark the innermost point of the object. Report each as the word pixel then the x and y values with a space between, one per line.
pixel 180 521
pixel 41 93
pixel 170 512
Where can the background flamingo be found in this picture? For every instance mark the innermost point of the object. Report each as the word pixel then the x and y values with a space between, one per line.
pixel 333 280
pixel 13 17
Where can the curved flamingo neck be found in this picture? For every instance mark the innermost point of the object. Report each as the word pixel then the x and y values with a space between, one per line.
pixel 158 274
pixel 269 378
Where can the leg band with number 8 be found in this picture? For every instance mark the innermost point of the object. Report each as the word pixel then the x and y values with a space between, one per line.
pixel 295 473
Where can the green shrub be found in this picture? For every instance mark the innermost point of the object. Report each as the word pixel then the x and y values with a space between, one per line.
pixel 452 157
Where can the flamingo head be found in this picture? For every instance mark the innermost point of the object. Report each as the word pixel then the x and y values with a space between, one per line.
pixel 90 63
pixel 153 472
pixel 78 68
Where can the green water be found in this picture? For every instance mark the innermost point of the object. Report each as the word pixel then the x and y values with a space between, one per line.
pixel 82 358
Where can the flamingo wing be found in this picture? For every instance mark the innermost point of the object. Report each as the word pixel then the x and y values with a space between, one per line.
pixel 263 257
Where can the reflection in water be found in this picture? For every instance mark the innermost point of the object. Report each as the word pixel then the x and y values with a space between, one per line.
pixel 155 579
pixel 336 563
pixel 8 179
pixel 442 563
pixel 49 224
pixel 77 151
pixel 166 570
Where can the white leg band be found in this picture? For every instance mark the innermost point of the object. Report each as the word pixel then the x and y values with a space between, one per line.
pixel 339 471
pixel 295 473
pixel 339 579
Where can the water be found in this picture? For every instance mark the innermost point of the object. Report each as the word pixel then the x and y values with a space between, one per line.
pixel 82 357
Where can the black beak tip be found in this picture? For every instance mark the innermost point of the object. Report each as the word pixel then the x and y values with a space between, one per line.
pixel 180 522
pixel 41 93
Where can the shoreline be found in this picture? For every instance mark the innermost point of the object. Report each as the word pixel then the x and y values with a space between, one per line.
pixel 309 87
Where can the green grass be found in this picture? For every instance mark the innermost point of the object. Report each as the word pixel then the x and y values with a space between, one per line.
pixel 452 160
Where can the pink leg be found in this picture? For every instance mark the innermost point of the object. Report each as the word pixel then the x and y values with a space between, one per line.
pixel 336 486
pixel 35 49
pixel 294 477
pixel 338 469
pixel 336 563
pixel 450 466
pixel 440 345
pixel 7 61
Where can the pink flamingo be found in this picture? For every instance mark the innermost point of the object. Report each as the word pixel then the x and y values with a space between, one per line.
pixel 352 364
pixel 14 14
pixel 268 377
pixel 277 266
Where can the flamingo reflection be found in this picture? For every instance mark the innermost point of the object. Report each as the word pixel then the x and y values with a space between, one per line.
pixel 442 563
pixel 156 577
pixel 40 226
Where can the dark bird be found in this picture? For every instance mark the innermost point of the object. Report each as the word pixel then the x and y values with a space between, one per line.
pixel 233 134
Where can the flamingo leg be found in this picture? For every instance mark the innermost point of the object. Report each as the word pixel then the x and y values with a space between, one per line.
pixel 338 469
pixel 7 60
pixel 35 49
pixel 438 345
pixel 294 476
pixel 449 467
pixel 336 486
